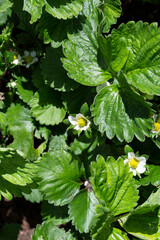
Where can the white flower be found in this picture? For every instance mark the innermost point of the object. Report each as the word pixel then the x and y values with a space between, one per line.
pixel 136 164
pixel 30 58
pixel 156 129
pixel 16 60
pixel 79 122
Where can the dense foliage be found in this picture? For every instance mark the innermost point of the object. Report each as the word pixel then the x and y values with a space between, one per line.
pixel 79 119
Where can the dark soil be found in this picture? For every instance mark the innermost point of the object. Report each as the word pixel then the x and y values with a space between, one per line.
pixel 21 212
pixel 28 214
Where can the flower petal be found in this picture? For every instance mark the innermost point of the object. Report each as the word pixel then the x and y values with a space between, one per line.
pixel 26 53
pixel 77 127
pixel 131 155
pixel 126 161
pixel 35 60
pixel 33 53
pixel 140 168
pixel 72 120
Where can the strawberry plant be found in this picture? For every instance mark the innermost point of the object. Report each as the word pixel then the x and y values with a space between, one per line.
pixel 79 119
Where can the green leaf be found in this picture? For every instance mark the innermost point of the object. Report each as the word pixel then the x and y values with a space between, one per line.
pixel 54 74
pixel 60 176
pixel 10 231
pixel 34 196
pixel 52 30
pixel 102 229
pixel 4 15
pixel 117 234
pixel 64 9
pixel 152 177
pixel 83 216
pixel 115 51
pixel 111 10
pixel 34 7
pixel 121 112
pixel 21 127
pixel 49 231
pixel 46 106
pixel 114 185
pixel 142 68
pixel 24 89
pixel 58 142
pixel 16 174
pixel 4 5
pixel 58 213
pixel 84 62
pixel 81 95
pixel 143 221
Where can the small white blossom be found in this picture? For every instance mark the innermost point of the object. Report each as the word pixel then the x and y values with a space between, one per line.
pixel 156 129
pixel 12 84
pixel 30 58
pixel 136 164
pixel 16 60
pixel 79 122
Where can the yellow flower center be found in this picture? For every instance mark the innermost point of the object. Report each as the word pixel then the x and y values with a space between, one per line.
pixel 157 127
pixel 29 59
pixel 82 122
pixel 15 57
pixel 133 163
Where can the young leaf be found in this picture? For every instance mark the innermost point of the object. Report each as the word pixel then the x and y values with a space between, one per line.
pixel 34 196
pixel 84 62
pixel 34 7
pixel 54 74
pixel 64 9
pixel 49 231
pixel 46 106
pixel 117 234
pixel 111 10
pixel 83 216
pixel 121 112
pixel 114 185
pixel 60 176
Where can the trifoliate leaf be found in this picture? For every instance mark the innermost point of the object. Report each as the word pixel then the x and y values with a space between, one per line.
pixel 16 174
pixel 54 74
pixel 121 112
pixel 4 5
pixel 46 106
pixel 21 127
pixel 58 213
pixel 84 216
pixel 52 30
pixel 111 10
pixel 49 231
pixel 34 7
pixel 143 221
pixel 61 176
pixel 84 62
pixel 142 68
pixel 113 184
pixel 64 9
